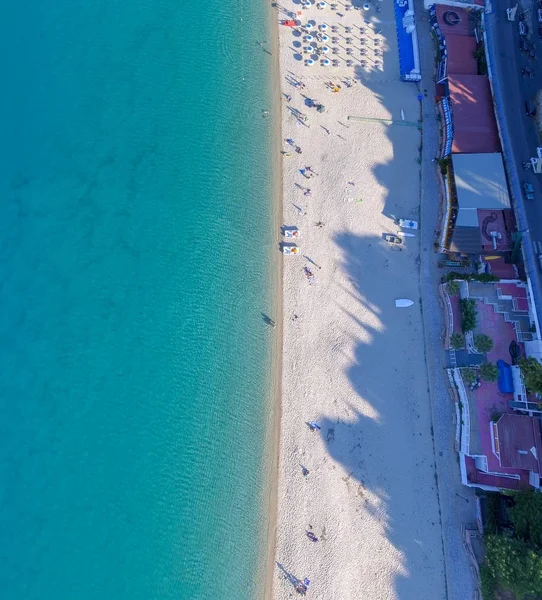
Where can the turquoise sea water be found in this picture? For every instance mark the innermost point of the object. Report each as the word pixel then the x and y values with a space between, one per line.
pixel 136 258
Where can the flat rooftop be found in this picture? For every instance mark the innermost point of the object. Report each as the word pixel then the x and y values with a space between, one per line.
pixel 480 184
pixel 475 128
pixel 461 59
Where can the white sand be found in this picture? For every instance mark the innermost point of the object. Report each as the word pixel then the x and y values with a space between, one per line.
pixel 352 361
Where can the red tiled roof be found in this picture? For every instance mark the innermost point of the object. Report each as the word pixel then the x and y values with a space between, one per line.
pixel 520 442
pixel 462 28
pixel 501 269
pixel 475 129
pixel 478 477
pixel 461 59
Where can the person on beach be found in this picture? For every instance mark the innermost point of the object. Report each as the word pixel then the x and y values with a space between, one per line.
pixel 307 192
pixel 305 471
pixel 311 536
pixel 313 426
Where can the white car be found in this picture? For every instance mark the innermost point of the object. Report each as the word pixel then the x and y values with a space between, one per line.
pixel 522 28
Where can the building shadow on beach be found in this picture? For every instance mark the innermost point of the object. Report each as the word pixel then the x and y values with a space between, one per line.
pixel 381 433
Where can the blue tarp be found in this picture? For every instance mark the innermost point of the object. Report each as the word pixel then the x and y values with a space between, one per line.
pixel 505 383
pixel 404 42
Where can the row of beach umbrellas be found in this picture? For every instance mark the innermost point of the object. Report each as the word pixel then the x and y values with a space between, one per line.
pixel 326 62
pixel 309 38
pixel 322 27
pixel 308 4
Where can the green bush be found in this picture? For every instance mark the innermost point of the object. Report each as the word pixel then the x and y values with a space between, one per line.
pixel 488 583
pixel 468 314
pixel 483 343
pixel 468 376
pixel 514 565
pixel 482 277
pixel 531 370
pixel 489 372
pixel 453 287
pixel 457 341
pixel 526 515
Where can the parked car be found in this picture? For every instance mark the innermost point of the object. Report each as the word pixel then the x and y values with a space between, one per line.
pixel 539 15
pixel 393 239
pixel 528 190
pixel 522 28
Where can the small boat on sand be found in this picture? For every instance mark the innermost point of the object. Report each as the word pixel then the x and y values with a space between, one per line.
pixel 405 234
pixel 403 303
pixel 408 224
pixel 290 250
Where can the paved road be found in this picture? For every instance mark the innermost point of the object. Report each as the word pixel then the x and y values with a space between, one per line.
pixel 511 90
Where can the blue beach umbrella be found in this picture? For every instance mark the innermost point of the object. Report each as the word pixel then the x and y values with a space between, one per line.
pixel 309 62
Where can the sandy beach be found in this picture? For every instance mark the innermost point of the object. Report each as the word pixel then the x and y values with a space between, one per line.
pixel 352 361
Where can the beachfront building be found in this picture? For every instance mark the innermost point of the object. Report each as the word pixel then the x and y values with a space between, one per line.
pixel 477 218
pixel 482 221
pixel 498 427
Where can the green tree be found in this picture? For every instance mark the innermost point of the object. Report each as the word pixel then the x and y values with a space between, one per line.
pixel 489 372
pixel 468 376
pixel 514 565
pixel 453 287
pixel 457 341
pixel 468 314
pixel 488 583
pixel 526 516
pixel 531 370
pixel 483 343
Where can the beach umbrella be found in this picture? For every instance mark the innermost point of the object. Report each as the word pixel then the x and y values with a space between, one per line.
pixel 309 49
pixel 325 49
pixel 309 38
pixel 309 62
pixel 325 38
pixel 307 4
pixel 322 5
pixel 323 27
pixel 366 6
pixel 308 26
pixel 326 62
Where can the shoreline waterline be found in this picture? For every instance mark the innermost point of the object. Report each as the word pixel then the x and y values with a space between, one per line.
pixel 277 176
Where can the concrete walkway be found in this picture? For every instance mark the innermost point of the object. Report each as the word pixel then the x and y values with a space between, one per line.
pixel 456 501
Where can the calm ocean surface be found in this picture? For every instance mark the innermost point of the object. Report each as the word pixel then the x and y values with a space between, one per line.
pixel 136 258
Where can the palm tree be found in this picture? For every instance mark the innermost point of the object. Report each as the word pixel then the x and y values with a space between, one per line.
pixel 457 341
pixel 489 372
pixel 483 343
pixel 453 287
